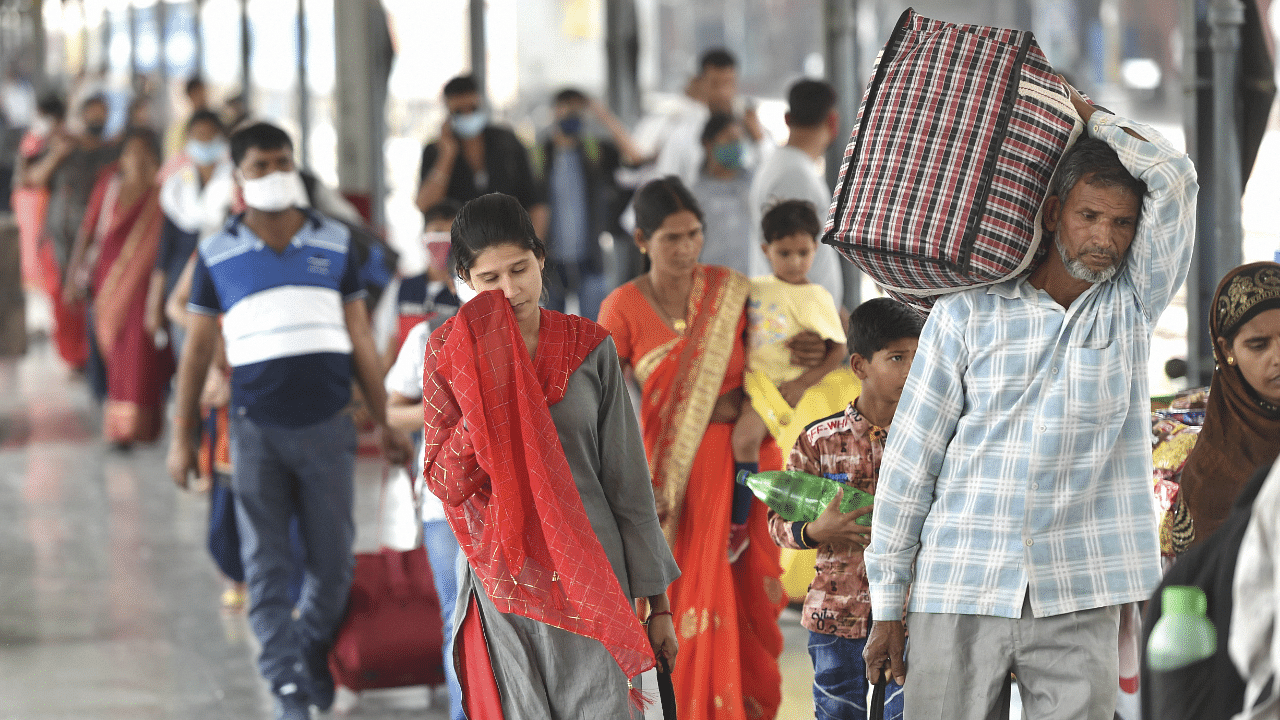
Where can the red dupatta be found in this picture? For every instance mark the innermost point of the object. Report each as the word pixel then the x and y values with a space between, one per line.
pixel 494 457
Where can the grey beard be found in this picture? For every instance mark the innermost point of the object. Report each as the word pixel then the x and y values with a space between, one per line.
pixel 1080 271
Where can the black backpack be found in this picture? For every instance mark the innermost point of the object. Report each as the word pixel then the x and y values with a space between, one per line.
pixel 1212 688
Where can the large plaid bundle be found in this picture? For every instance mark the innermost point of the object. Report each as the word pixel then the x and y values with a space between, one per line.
pixel 957 138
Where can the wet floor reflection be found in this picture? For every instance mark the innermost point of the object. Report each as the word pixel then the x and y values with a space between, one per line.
pixel 110 602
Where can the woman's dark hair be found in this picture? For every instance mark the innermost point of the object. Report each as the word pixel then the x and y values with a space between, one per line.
pixel 263 136
pixel 150 140
pixel 489 221
pixel 716 124
pixel 660 199
pixel 878 322
pixel 788 218
pixel 207 116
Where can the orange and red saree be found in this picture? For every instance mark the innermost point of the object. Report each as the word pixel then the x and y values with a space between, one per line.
pixel 726 615
pixel 126 239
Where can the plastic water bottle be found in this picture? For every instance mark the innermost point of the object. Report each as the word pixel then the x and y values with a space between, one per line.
pixel 801 497
pixel 1182 635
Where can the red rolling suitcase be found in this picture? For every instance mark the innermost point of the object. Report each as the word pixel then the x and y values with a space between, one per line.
pixel 392 634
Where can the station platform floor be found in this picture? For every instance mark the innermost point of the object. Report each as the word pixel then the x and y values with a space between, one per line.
pixel 109 602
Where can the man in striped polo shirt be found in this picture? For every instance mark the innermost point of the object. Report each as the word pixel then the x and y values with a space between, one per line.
pixel 295 330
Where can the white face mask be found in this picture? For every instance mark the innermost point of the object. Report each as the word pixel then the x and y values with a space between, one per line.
pixel 275 192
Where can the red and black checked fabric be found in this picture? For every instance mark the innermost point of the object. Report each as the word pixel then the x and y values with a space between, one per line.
pixel 494 457
pixel 957 138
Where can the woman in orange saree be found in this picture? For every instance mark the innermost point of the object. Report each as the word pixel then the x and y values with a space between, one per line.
pixel 122 229
pixel 680 329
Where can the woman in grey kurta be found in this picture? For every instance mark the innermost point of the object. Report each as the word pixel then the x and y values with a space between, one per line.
pixel 541 670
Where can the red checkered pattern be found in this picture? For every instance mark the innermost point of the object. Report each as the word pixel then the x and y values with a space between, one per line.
pixel 950 159
pixel 494 457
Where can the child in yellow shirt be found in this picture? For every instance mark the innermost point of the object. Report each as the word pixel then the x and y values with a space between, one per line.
pixel 780 306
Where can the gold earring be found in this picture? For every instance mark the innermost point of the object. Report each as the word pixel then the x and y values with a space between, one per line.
pixel 644 251
pixel 1231 360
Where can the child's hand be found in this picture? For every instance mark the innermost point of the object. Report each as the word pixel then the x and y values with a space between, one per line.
pixel 840 529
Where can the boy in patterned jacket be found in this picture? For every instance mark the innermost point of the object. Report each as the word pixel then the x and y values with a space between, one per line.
pixel 847 448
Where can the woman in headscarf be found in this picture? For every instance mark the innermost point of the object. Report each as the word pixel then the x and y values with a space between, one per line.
pixel 1242 422
pixel 533 446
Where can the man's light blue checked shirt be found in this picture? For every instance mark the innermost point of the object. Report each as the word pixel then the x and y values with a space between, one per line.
pixel 1020 455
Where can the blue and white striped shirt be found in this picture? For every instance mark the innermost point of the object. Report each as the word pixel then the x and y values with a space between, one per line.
pixel 283 318
pixel 1019 459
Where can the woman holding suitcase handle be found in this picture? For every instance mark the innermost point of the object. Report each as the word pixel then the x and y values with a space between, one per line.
pixel 532 445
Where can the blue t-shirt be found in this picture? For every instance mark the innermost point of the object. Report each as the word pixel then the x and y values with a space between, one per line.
pixel 283 318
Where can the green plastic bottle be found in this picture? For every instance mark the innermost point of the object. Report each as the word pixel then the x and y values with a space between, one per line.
pixel 1182 635
pixel 801 497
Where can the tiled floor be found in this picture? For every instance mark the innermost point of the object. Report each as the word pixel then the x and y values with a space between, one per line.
pixel 108 600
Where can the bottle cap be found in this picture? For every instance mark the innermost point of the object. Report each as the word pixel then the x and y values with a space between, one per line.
pixel 1184 600
pixel 742 477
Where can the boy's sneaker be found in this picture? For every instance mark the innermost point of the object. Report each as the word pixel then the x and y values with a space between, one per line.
pixel 320 687
pixel 292 706
pixel 739 539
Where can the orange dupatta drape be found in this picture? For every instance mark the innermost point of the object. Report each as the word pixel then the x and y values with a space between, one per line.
pixel 494 457
pixel 726 615
pixel 127 240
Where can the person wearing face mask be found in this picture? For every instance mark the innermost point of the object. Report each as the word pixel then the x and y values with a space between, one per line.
pixel 431 296
pixel 196 200
pixel 722 190
pixel 296 334
pixel 473 157
pixel 715 90
pixel 575 170
pixel 72 167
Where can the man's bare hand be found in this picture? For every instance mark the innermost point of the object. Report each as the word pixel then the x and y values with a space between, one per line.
pixel 181 462
pixel 884 652
pixel 447 143
pixel 808 349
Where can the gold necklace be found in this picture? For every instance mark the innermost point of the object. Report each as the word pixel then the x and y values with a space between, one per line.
pixel 679 324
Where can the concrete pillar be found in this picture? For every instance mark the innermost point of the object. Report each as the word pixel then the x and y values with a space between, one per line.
pixel 364 62
pixel 304 92
pixel 13 319
pixel 622 57
pixel 1212 109
pixel 246 53
pixel 841 39
pixel 479 47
